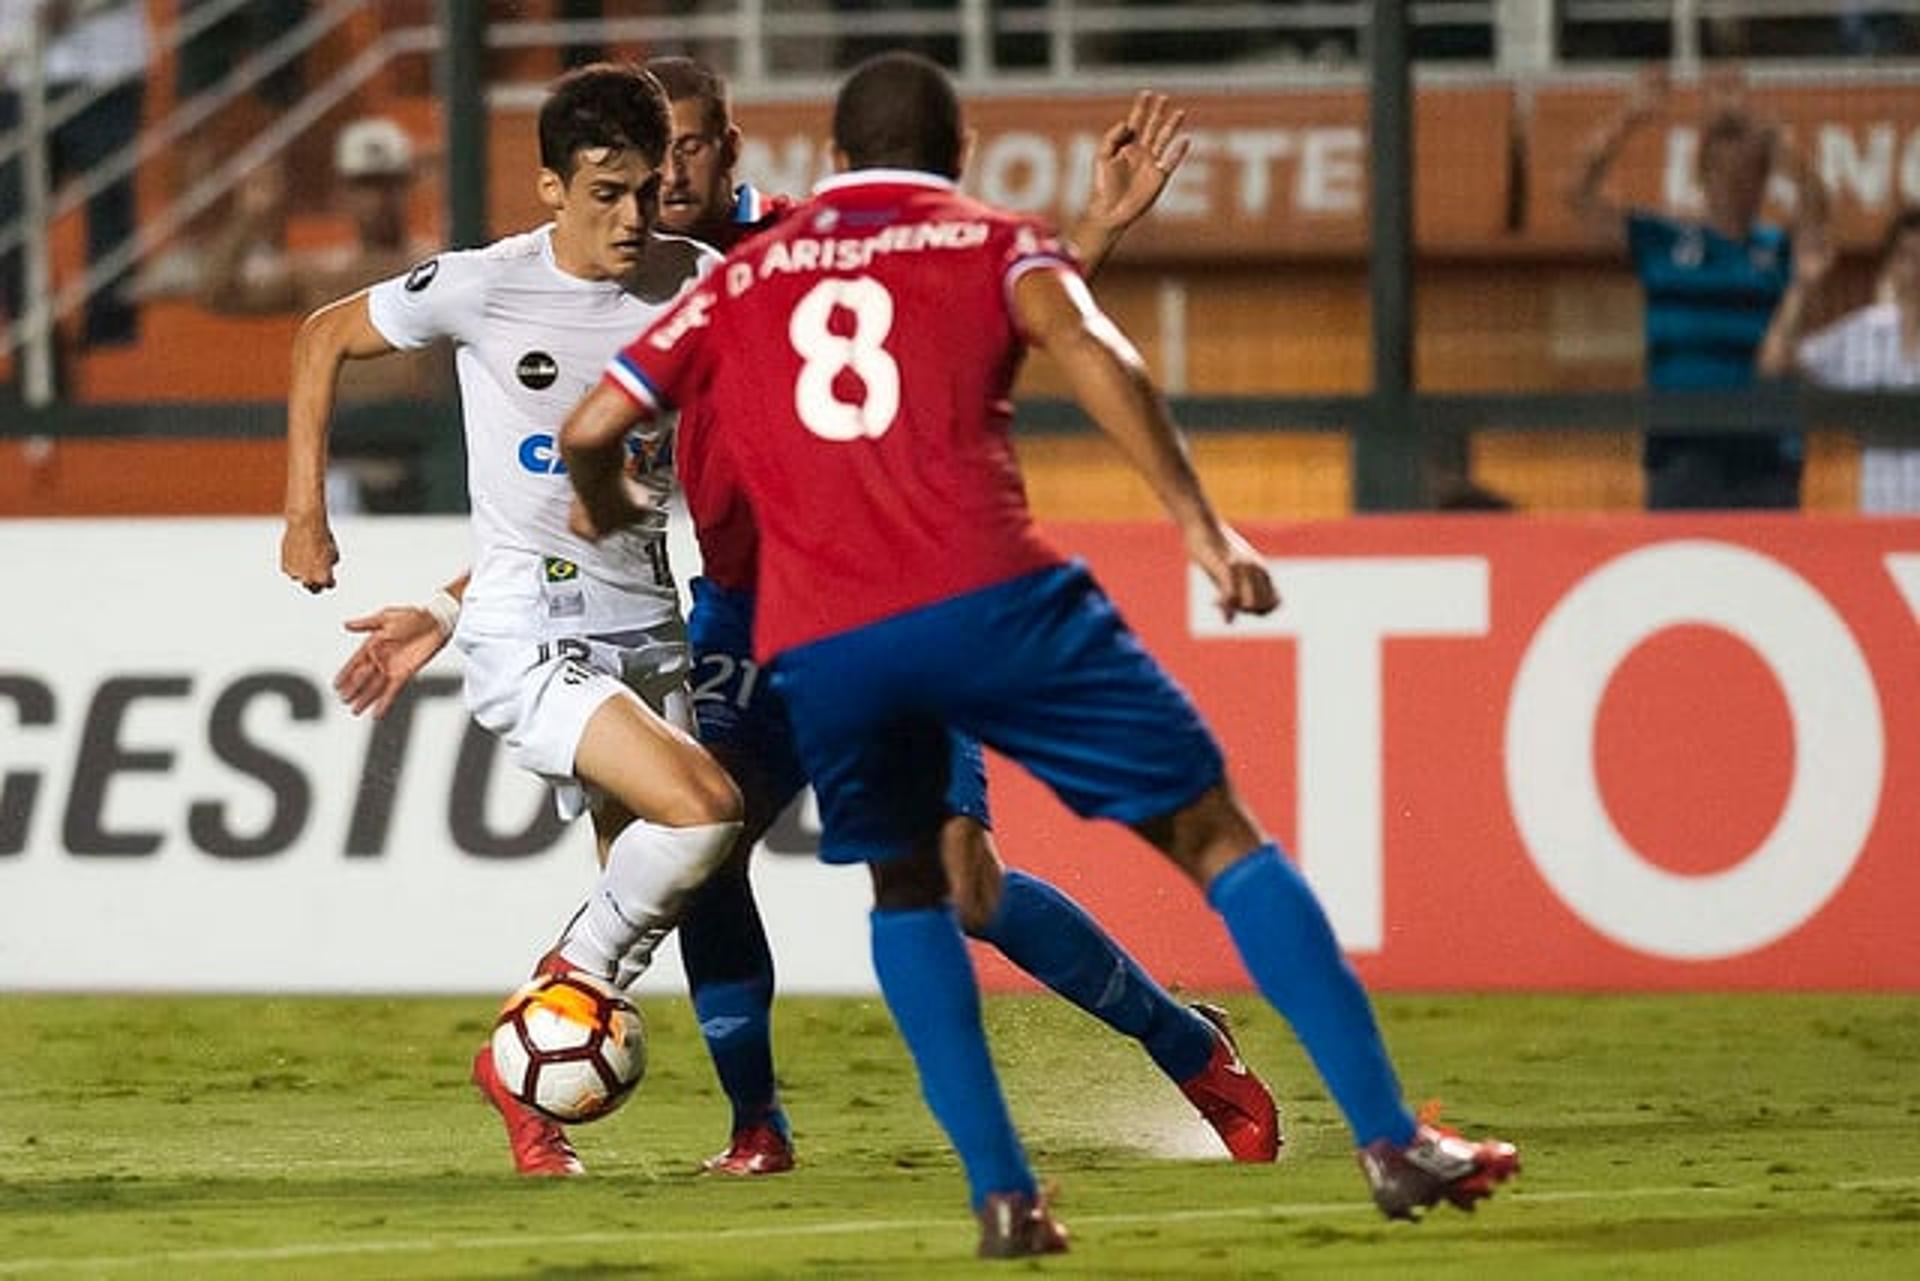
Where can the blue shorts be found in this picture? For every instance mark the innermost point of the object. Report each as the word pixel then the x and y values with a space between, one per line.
pixel 742 719
pixel 1040 668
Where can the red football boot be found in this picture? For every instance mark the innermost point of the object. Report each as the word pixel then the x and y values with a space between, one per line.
pixel 755 1149
pixel 1235 1102
pixel 540 1146
pixel 1014 1225
pixel 1437 1166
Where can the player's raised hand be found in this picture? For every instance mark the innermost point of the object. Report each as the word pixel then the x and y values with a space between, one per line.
pixel 308 553
pixel 1242 582
pixel 400 640
pixel 1136 159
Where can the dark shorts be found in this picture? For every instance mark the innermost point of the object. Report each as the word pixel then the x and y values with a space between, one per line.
pixel 742 718
pixel 1041 669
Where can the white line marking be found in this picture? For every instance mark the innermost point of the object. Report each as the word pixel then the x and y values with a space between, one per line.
pixel 850 1227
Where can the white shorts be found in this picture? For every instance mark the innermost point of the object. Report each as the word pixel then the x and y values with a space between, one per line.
pixel 537 696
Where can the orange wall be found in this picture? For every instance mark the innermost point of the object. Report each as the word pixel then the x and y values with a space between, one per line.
pixel 141 477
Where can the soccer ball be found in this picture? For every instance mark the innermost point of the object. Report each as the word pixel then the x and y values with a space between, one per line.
pixel 570 1046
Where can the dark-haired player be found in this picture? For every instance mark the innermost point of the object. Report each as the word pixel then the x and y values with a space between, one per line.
pixel 904 594
pixel 575 652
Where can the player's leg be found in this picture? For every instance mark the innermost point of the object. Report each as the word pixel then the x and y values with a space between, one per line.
pixel 880 774
pixel 1051 937
pixel 927 979
pixel 1116 738
pixel 687 815
pixel 730 971
pixel 723 941
pixel 1288 946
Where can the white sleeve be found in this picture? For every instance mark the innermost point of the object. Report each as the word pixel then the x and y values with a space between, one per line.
pixel 1827 357
pixel 443 297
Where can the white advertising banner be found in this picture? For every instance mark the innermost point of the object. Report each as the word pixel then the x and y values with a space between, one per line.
pixel 184 804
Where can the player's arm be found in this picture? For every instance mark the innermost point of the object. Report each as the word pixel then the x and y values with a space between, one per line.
pixel 591 441
pixel 1110 381
pixel 1136 159
pixel 331 336
pixel 399 641
pixel 1602 216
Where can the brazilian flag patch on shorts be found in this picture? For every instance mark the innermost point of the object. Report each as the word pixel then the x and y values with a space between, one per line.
pixel 557 570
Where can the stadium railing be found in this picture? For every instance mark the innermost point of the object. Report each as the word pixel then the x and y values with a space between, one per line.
pixel 1012 48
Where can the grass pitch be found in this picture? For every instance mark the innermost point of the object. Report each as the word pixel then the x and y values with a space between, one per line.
pixel 1662 1136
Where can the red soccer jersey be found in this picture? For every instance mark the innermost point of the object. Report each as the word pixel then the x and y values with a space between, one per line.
pixel 855 363
pixel 722 518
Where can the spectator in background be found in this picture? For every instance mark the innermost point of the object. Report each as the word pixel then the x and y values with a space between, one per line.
pixel 247 267
pixel 98 50
pixel 248 270
pixel 1875 348
pixel 1711 285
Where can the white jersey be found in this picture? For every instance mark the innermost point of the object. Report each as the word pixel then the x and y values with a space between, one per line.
pixel 530 340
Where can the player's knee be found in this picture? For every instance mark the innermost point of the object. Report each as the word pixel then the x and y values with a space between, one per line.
pixel 1207 835
pixel 707 795
pixel 911 882
pixel 974 872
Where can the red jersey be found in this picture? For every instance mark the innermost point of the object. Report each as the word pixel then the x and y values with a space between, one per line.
pixel 855 363
pixel 722 519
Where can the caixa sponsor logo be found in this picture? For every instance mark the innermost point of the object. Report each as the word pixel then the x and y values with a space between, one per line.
pixel 540 454
pixel 106 742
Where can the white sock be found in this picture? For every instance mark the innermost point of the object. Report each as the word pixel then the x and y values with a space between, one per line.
pixel 650 871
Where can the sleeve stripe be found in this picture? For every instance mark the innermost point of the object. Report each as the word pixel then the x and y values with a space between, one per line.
pixel 1028 262
pixel 631 379
pixel 1032 262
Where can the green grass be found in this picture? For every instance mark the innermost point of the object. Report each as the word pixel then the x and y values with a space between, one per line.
pixel 1700 1136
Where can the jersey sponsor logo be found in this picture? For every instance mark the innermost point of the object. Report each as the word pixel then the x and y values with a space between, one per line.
pixel 537 370
pixel 557 570
pixel 422 275
pixel 540 454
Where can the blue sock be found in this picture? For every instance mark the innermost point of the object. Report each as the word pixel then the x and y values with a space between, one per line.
pixel 1288 947
pixel 928 981
pixel 735 1020
pixel 723 946
pixel 1052 938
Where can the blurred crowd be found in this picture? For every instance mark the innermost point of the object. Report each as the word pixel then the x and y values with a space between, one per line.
pixel 1731 297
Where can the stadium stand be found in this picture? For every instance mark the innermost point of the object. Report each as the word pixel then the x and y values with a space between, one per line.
pixel 1251 286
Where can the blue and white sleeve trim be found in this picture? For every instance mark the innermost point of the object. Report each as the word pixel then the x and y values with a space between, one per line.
pixel 634 381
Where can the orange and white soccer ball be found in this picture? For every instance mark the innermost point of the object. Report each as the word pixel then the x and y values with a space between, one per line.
pixel 571 1046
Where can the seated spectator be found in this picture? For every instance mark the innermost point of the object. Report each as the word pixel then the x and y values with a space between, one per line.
pixel 248 269
pixel 1711 285
pixel 1876 348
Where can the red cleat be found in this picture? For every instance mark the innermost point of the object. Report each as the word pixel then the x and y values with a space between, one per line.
pixel 757 1149
pixel 552 965
pixel 1235 1102
pixel 1014 1225
pixel 540 1146
pixel 1437 1166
